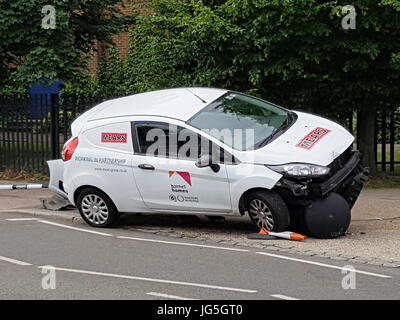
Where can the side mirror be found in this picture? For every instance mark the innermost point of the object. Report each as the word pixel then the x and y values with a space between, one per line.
pixel 206 161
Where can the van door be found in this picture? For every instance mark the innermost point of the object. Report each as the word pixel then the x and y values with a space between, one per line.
pixel 169 180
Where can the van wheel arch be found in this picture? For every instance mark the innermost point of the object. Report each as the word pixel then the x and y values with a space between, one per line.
pixel 81 188
pixel 96 208
pixel 266 208
pixel 243 198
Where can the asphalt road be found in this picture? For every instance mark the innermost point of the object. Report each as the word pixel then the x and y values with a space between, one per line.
pixel 121 264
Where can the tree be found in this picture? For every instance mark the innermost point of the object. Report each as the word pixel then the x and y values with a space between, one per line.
pixel 40 50
pixel 294 53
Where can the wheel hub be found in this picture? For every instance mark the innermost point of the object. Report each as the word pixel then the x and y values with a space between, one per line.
pixel 94 209
pixel 261 214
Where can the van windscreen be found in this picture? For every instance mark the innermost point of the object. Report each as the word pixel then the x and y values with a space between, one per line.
pixel 240 121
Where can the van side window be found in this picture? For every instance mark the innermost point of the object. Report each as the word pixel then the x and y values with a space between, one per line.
pixel 160 139
pixel 149 135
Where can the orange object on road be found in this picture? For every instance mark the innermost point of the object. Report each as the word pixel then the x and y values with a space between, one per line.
pixel 285 235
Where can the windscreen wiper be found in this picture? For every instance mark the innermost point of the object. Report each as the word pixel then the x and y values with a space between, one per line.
pixel 289 120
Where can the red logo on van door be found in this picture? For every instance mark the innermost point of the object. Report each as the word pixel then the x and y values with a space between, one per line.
pixel 312 138
pixel 114 137
pixel 185 176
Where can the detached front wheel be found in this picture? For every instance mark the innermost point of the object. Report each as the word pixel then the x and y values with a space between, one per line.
pixel 96 208
pixel 267 210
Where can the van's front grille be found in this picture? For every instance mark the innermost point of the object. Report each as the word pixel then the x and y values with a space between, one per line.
pixel 340 161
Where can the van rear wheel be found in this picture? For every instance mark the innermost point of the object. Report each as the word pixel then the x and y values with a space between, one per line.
pixel 268 210
pixel 96 208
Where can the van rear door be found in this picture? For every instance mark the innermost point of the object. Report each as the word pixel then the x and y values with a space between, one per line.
pixel 56 168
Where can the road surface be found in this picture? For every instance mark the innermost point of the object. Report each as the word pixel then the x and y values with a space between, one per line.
pixel 122 264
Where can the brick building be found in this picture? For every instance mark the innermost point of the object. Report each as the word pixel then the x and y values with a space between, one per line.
pixel 121 41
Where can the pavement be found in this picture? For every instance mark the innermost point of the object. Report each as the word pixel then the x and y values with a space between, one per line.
pixel 373 237
pixel 42 258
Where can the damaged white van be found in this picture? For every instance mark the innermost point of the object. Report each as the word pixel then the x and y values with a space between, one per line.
pixel 213 152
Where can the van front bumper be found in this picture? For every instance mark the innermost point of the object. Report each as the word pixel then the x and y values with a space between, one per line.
pixel 322 207
pixel 346 181
pixel 334 181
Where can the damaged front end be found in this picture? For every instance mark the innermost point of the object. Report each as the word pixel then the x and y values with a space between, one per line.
pixel 321 206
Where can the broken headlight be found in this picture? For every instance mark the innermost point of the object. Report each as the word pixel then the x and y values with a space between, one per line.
pixel 300 170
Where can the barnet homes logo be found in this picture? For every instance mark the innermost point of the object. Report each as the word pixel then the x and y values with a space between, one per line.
pixel 184 174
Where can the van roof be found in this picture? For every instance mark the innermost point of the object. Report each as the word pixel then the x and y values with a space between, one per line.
pixel 180 103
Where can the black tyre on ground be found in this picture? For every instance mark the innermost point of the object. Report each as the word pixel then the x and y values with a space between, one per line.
pixel 328 217
pixel 267 209
pixel 96 208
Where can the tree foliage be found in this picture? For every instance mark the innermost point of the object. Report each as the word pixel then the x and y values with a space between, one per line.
pixel 292 52
pixel 109 81
pixel 60 53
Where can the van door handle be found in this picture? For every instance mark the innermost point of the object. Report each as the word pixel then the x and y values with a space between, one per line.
pixel 146 166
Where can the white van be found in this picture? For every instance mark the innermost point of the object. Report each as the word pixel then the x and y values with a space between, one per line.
pixel 205 151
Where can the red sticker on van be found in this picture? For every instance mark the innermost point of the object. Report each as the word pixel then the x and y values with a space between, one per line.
pixel 114 137
pixel 312 138
pixel 184 174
